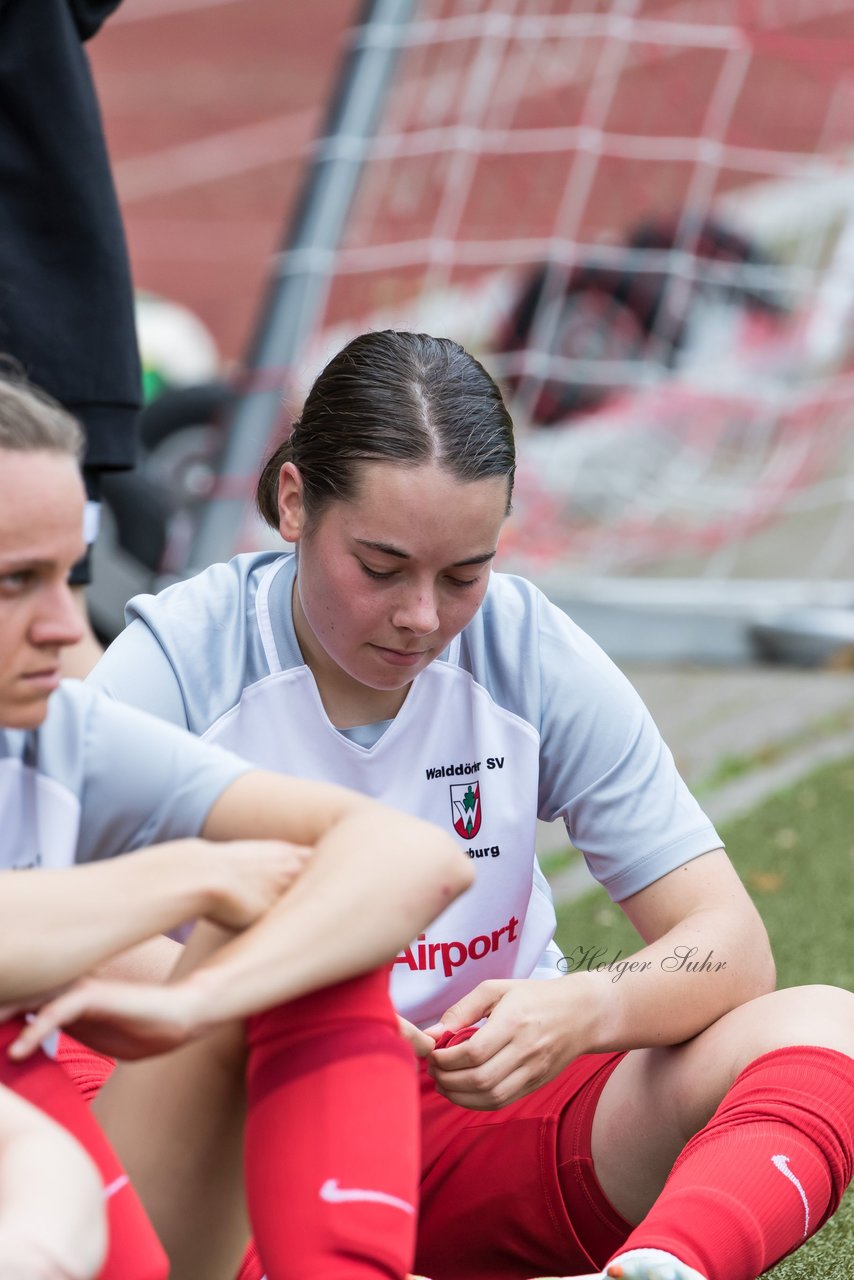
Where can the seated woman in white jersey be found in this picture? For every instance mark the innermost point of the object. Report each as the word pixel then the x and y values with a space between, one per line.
pixel 665 1124
pixel 290 883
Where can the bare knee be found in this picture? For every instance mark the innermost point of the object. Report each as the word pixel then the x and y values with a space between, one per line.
pixel 696 1075
pixel 53 1224
pixel 818 1015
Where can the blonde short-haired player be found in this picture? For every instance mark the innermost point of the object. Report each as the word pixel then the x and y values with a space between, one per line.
pixel 271 1038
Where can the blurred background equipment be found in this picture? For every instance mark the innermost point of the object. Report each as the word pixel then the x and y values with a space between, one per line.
pixel 151 513
pixel 640 215
pixel 596 314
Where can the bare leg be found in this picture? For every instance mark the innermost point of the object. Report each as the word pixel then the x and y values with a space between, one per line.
pixel 177 1123
pixel 658 1098
pixel 52 1220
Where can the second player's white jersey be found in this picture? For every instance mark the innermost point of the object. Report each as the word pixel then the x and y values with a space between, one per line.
pixel 452 756
pixel 521 717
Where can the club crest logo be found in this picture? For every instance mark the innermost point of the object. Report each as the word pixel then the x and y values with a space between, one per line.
pixel 465 808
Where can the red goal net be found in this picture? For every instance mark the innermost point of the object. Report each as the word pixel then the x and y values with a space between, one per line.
pixel 640 215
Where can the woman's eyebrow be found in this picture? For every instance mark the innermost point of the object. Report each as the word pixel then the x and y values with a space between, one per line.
pixel 387 549
pixel 481 559
pixel 13 563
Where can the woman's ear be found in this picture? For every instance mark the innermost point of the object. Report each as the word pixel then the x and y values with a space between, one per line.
pixel 291 513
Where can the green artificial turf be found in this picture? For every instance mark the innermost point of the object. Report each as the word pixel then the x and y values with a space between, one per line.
pixel 795 853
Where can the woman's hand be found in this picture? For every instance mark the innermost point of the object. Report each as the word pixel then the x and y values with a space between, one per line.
pixel 250 876
pixel 422 1044
pixel 532 1030
pixel 121 1019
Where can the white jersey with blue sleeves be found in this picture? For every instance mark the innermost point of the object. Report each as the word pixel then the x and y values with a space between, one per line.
pixel 98 779
pixel 522 717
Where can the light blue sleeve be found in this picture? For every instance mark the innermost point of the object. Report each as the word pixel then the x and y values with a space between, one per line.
pixel 143 781
pixel 188 653
pixel 136 670
pixel 604 769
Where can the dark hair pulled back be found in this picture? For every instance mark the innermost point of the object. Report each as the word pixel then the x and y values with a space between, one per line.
pixel 392 396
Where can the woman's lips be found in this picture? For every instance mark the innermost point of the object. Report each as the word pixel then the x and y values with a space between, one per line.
pixel 399 657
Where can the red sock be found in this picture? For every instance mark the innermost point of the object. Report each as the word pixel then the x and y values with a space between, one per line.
pixel 332 1137
pixel 765 1173
pixel 250 1267
pixel 89 1069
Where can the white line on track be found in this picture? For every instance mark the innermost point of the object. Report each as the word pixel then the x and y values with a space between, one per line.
pixel 267 142
pixel 219 155
pixel 143 10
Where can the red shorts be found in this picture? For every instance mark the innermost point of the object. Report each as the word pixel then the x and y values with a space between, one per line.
pixel 134 1251
pixel 492 1205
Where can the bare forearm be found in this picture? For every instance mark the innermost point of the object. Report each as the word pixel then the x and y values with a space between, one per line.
pixel 374 880
pixel 678 985
pixel 371 886
pixel 57 925
pixel 151 961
